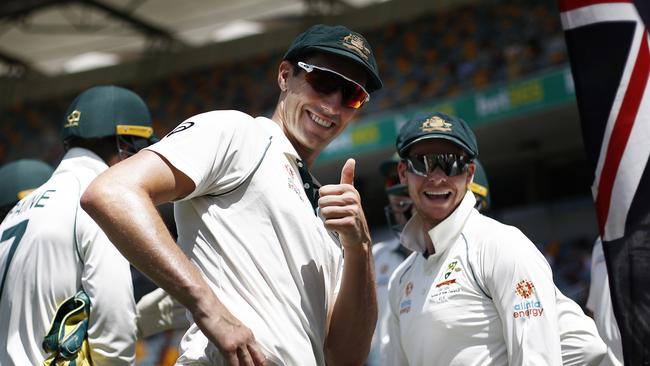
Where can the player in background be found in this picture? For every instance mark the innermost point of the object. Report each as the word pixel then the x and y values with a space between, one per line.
pixel 52 252
pixel 18 179
pixel 390 253
pixel 579 340
pixel 599 303
pixel 260 264
pixel 481 188
pixel 474 291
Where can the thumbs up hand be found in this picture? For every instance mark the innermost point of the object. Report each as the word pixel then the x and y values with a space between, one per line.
pixel 340 206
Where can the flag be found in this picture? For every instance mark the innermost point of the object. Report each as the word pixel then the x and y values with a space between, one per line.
pixel 607 42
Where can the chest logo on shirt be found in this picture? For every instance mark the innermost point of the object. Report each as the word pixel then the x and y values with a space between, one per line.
pixel 405 305
pixel 452 267
pixel 448 285
pixel 530 307
pixel 291 180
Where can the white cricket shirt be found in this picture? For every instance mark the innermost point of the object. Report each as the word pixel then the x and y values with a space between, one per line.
pixel 579 339
pixel 485 297
pixel 250 228
pixel 600 303
pixel 57 250
pixel 387 257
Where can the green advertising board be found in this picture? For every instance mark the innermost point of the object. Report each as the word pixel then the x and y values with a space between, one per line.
pixel 543 91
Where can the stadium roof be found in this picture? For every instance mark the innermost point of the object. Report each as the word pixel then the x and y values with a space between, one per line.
pixel 53 37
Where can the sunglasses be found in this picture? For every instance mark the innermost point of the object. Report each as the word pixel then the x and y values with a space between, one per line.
pixel 450 164
pixel 326 81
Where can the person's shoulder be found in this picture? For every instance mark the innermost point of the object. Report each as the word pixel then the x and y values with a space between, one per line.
pixel 220 118
pixel 493 235
pixel 210 125
pixel 481 224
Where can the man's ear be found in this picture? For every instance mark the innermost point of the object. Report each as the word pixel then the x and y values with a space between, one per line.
pixel 284 71
pixel 471 168
pixel 401 171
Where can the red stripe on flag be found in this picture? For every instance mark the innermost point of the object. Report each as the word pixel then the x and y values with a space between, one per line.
pixel 568 5
pixel 621 132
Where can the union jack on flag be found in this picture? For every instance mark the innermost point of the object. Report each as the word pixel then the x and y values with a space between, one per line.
pixel 608 48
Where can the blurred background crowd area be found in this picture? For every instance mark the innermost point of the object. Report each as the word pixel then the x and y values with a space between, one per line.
pixel 433 56
pixel 428 58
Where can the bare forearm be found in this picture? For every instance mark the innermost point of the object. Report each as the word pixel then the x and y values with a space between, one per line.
pixel 130 220
pixel 355 312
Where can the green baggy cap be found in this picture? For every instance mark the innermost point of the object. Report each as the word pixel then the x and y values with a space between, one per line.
pixel 436 125
pixel 107 110
pixel 341 41
pixel 20 177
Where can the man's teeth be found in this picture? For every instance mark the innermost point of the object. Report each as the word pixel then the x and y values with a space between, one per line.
pixel 320 121
pixel 437 194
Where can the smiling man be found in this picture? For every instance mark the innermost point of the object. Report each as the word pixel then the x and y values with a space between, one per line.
pixel 260 264
pixel 474 291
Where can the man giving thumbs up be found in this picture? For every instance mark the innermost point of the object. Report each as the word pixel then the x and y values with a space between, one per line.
pixel 260 273
pixel 356 303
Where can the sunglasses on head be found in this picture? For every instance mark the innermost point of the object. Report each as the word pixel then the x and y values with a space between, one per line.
pixel 450 164
pixel 326 81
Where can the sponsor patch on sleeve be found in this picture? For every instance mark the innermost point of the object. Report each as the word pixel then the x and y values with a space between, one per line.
pixel 530 307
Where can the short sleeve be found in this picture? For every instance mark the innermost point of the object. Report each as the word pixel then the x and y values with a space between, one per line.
pixel 218 150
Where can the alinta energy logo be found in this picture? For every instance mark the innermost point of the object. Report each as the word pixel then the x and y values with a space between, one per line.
pixel 525 289
pixel 530 307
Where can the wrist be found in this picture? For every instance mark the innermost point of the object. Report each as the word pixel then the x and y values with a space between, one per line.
pixel 362 248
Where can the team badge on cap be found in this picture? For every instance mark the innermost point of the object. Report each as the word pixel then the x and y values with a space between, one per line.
pixel 356 43
pixel 73 119
pixel 434 124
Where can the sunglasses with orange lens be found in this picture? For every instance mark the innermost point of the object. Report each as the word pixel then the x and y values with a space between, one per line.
pixel 326 81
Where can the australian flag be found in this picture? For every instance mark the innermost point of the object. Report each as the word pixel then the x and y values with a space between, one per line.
pixel 607 43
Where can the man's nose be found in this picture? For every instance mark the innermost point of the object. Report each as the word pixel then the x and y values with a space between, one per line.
pixel 437 175
pixel 333 100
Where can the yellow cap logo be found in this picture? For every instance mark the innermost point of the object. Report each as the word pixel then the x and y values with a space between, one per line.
pixel 434 124
pixel 73 119
pixel 356 43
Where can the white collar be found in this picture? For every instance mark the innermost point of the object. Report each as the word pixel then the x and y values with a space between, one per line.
pixel 79 157
pixel 442 235
pixel 278 137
